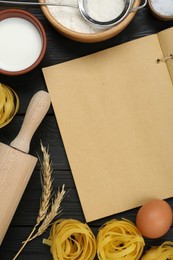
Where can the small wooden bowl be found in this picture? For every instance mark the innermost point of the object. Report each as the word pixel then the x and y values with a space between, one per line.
pixel 158 15
pixel 17 13
pixel 93 37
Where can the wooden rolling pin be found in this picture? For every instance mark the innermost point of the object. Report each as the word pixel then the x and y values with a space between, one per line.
pixel 16 165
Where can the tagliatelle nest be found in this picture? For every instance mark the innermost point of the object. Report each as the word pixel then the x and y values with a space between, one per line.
pixel 9 104
pixel 162 252
pixel 71 239
pixel 119 240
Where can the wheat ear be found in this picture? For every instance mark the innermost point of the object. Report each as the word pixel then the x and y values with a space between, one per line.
pixel 54 211
pixel 43 216
pixel 46 177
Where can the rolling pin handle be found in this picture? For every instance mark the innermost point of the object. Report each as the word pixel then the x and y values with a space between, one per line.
pixel 35 113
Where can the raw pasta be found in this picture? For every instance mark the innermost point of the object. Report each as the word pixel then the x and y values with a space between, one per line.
pixel 162 252
pixel 119 240
pixel 71 239
pixel 9 104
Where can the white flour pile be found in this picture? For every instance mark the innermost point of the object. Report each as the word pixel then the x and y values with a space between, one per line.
pixel 71 18
pixel 104 10
pixel 163 7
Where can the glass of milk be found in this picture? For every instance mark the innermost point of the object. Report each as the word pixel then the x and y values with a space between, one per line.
pixel 23 42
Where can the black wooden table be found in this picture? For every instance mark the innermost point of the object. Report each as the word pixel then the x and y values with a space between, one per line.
pixel 59 49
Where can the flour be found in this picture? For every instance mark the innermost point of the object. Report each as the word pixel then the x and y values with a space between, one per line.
pixel 71 18
pixel 163 7
pixel 104 10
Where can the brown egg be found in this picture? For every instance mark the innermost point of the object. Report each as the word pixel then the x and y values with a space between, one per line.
pixel 154 218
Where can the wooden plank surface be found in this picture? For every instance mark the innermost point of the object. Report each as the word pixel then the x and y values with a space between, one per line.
pixel 59 49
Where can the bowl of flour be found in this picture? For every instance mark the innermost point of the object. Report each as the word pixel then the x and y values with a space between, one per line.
pixel 161 9
pixel 69 21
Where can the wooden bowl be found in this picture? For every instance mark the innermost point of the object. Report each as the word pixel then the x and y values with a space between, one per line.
pixel 90 37
pixel 17 60
pixel 158 15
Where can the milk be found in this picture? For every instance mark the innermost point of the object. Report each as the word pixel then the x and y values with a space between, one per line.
pixel 20 44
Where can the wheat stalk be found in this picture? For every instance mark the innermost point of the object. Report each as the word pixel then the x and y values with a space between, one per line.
pixel 54 211
pixel 46 178
pixel 45 218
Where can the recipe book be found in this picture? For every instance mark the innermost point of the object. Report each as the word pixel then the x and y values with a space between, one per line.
pixel 114 109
